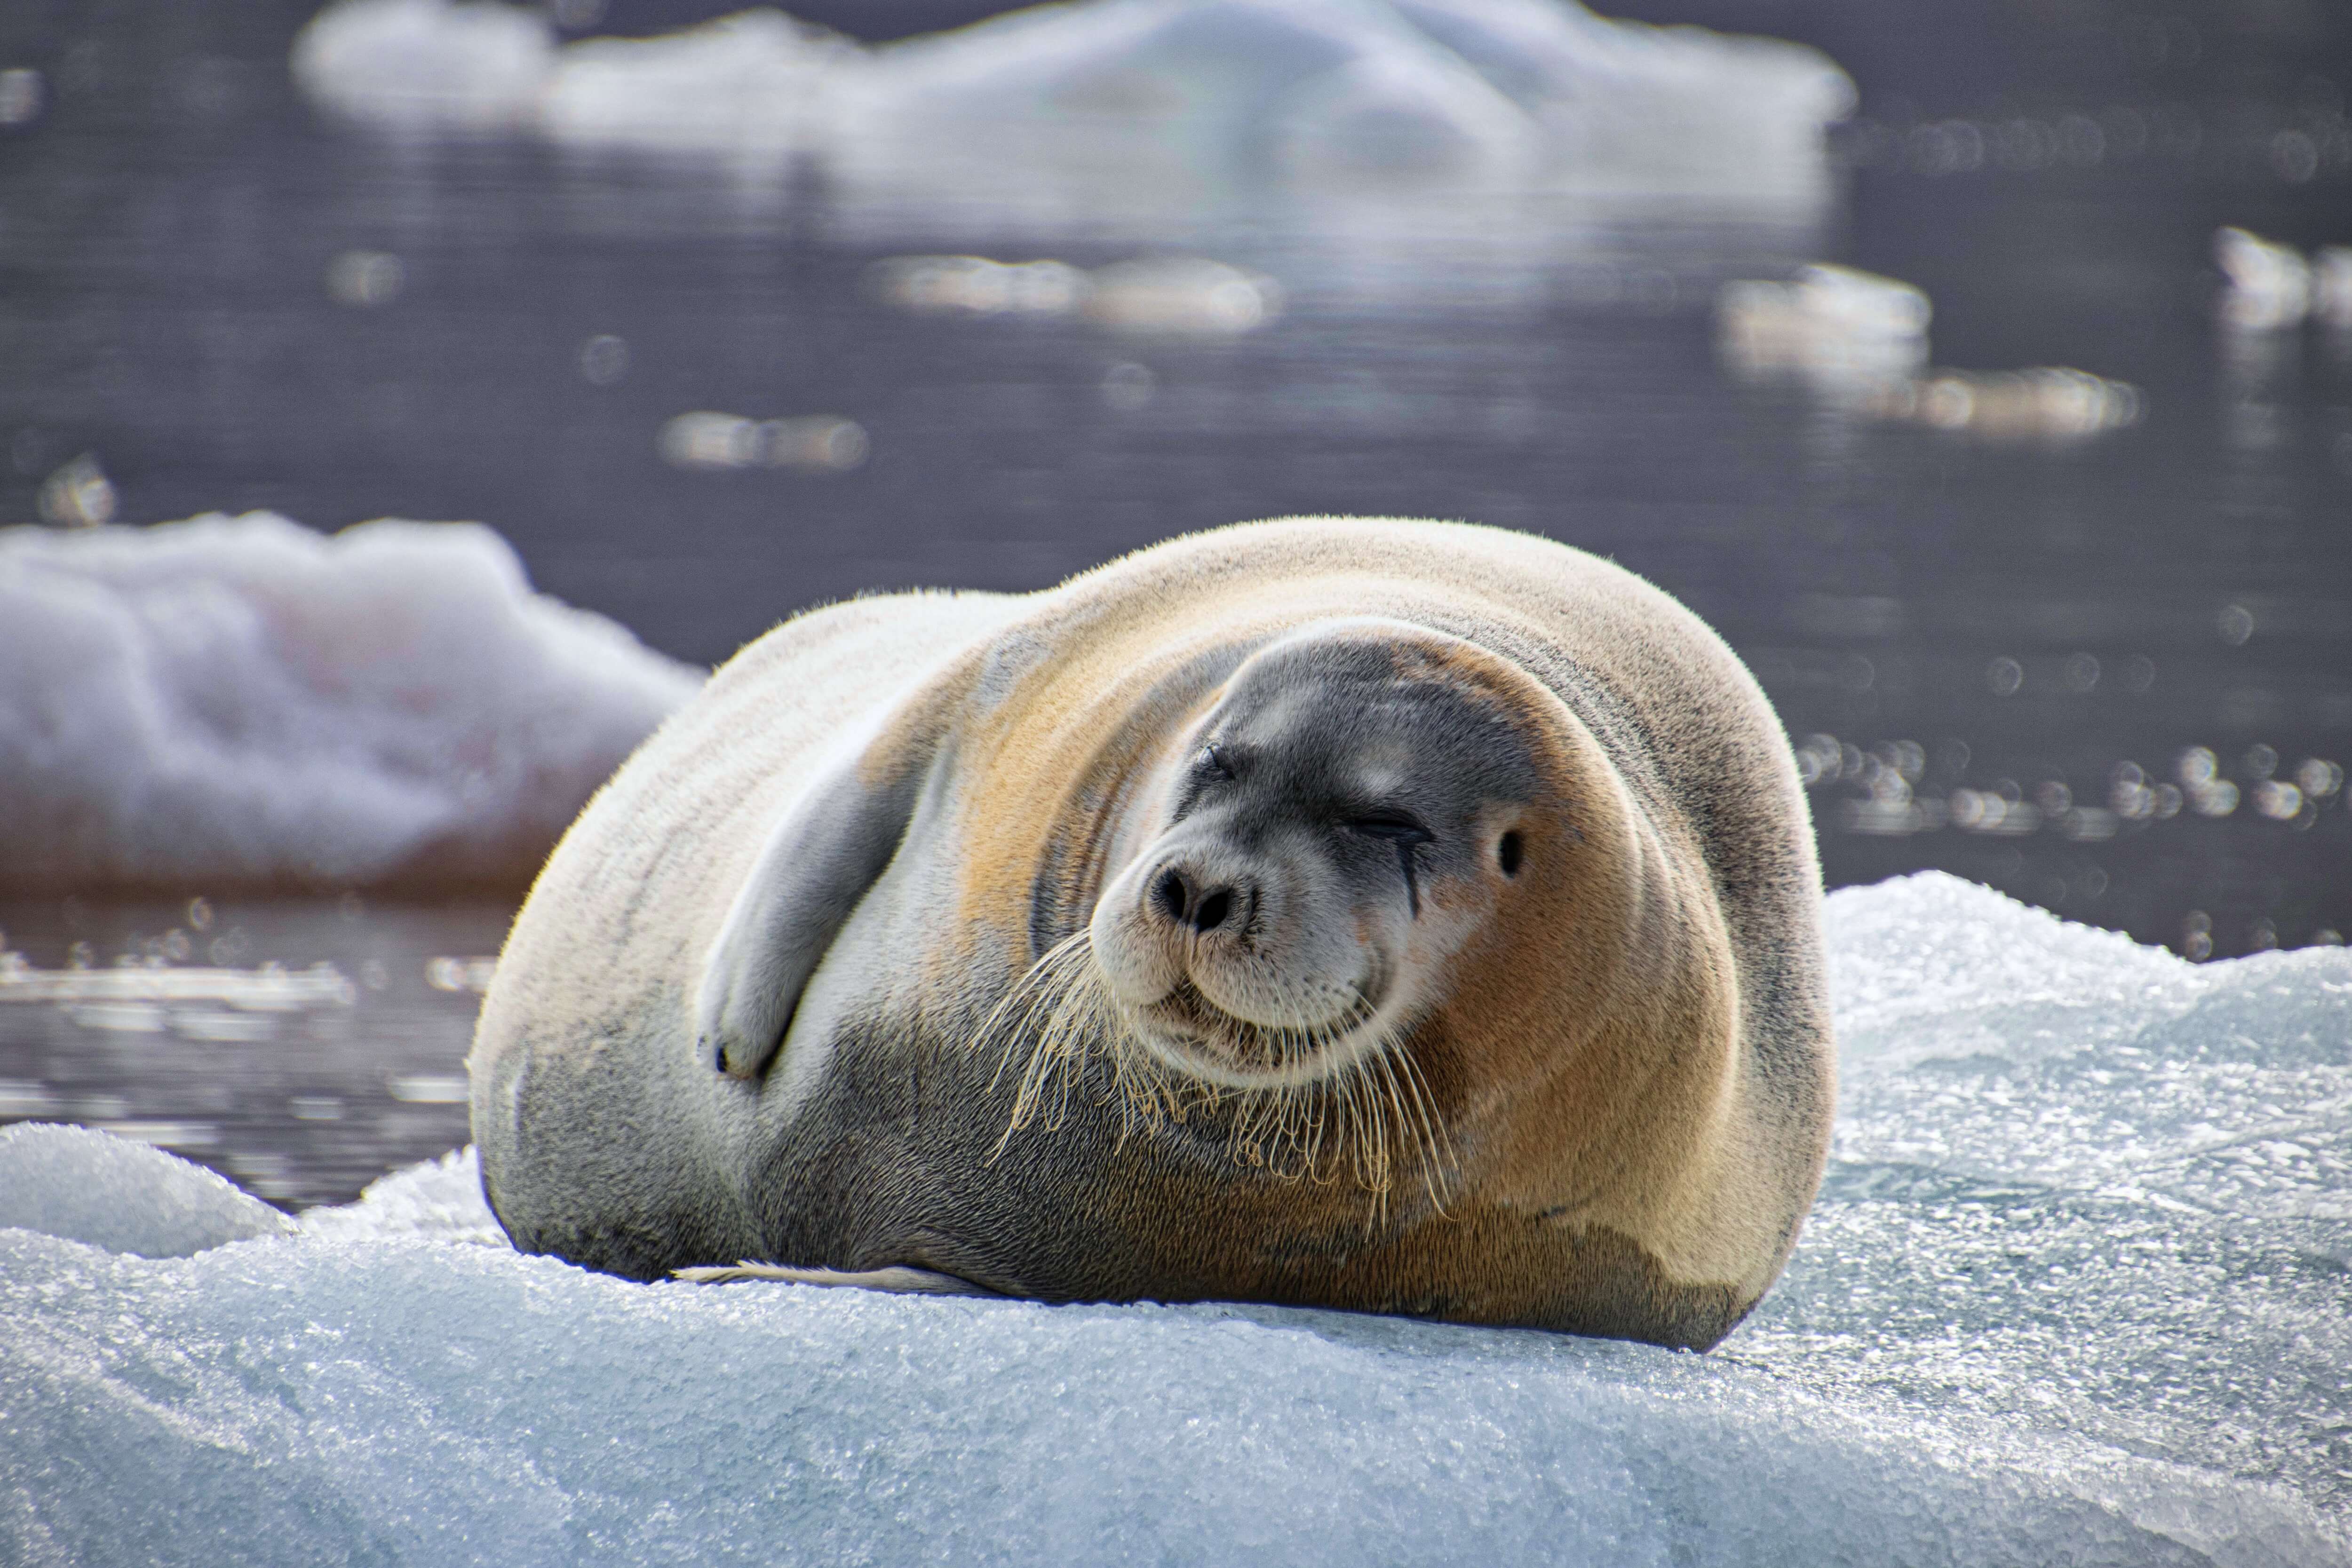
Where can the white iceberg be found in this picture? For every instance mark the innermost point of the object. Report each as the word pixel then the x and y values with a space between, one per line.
pixel 1656 108
pixel 745 87
pixel 1104 112
pixel 426 67
pixel 2076 1290
pixel 2268 285
pixel 1844 331
pixel 1166 295
pixel 240 701
pixel 1859 342
pixel 1174 106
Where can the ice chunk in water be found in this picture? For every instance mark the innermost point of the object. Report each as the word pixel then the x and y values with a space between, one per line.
pixel 1625 104
pixel 2269 283
pixel 1174 105
pixel 1847 333
pixel 1113 111
pixel 439 1200
pixel 748 87
pixel 420 66
pixel 2079 1288
pixel 123 1195
pixel 1860 341
pixel 239 700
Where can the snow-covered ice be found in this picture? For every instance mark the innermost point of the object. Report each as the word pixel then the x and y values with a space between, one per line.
pixel 1110 110
pixel 122 1196
pixel 231 701
pixel 2079 1288
pixel 746 88
pixel 421 67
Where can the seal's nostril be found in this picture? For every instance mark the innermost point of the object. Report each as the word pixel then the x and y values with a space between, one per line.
pixel 1169 895
pixel 1212 910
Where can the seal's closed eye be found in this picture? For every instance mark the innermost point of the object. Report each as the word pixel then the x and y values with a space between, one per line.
pixel 1395 827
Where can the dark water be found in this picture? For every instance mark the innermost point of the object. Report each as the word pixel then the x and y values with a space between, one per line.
pixel 2062 629
pixel 302 1098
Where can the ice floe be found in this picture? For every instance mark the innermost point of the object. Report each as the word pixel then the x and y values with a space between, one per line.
pixel 421 67
pixel 747 88
pixel 1074 115
pixel 2079 1288
pixel 2269 287
pixel 1843 331
pixel 1168 295
pixel 1859 342
pixel 819 443
pixel 231 701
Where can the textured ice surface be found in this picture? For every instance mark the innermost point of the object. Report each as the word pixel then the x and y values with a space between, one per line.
pixel 122 1196
pixel 1176 106
pixel 239 700
pixel 1110 109
pixel 2077 1290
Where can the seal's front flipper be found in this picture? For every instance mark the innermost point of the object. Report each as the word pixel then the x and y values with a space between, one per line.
pixel 817 863
pixel 897 1280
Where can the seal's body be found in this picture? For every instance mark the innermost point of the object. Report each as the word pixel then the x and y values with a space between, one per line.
pixel 1398 917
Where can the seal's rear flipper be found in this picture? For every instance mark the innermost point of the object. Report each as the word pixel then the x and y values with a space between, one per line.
pixel 896 1279
pixel 815 866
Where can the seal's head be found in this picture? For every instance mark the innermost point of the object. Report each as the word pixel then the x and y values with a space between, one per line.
pixel 1360 802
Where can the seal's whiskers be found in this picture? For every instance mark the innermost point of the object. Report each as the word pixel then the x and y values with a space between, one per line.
pixel 1347 1125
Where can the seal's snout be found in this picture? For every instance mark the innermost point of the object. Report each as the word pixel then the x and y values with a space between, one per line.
pixel 1186 898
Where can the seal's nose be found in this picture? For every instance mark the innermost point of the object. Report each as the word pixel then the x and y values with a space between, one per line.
pixel 1184 899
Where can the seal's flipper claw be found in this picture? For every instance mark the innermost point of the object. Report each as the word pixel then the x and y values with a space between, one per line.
pixel 816 865
pixel 897 1280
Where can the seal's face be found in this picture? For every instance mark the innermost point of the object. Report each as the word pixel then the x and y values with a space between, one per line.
pixel 1342 820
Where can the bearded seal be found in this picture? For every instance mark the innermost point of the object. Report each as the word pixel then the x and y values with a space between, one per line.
pixel 1398 917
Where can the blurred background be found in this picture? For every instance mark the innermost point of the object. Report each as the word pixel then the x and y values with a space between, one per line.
pixel 1982 372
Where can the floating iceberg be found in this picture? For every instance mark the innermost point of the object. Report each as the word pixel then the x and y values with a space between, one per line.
pixel 239 701
pixel 1859 341
pixel 2269 287
pixel 1158 296
pixel 1111 111
pixel 1174 107
pixel 428 66
pixel 1844 331
pixel 746 87
pixel 2079 1288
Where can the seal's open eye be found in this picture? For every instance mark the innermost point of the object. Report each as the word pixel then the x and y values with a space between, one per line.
pixel 1507 854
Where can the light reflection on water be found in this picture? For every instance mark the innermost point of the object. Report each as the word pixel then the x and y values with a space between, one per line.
pixel 302 1047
